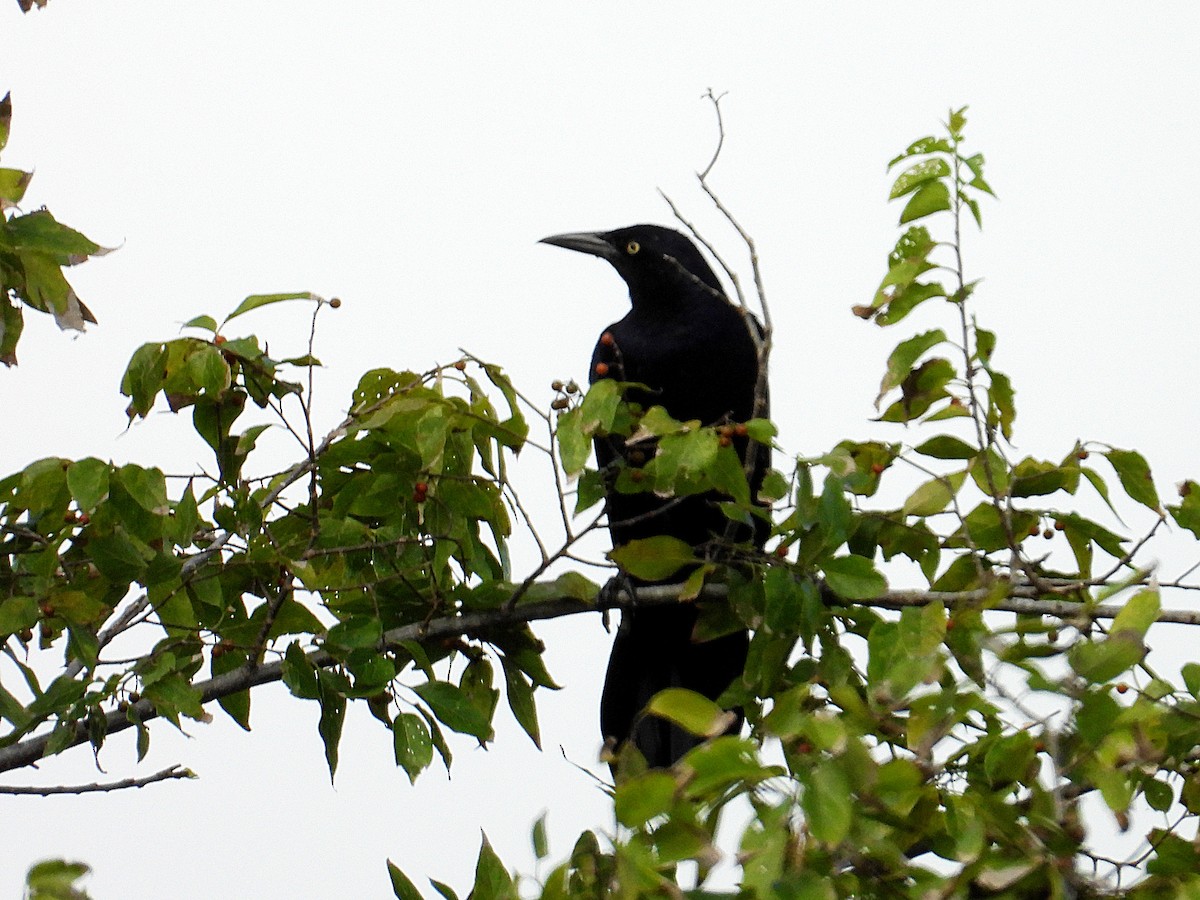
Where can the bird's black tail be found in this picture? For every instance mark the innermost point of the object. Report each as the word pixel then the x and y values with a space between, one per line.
pixel 654 650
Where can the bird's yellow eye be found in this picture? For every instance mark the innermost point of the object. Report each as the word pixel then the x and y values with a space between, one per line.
pixel 632 247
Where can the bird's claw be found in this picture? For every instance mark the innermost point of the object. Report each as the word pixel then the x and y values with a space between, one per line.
pixel 618 591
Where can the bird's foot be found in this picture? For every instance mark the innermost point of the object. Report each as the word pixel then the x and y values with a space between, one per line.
pixel 618 591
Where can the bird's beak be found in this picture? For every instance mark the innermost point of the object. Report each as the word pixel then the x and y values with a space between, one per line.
pixel 585 242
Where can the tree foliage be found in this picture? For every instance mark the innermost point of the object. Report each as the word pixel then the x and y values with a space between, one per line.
pixel 942 750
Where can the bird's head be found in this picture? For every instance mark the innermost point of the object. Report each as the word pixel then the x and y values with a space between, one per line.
pixel 656 262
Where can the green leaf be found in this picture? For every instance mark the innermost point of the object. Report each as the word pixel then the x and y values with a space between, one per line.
pixel 1001 408
pixel 520 700
pixel 921 146
pixel 454 709
pixel 54 879
pixel 574 446
pixel 333 715
pixel 492 881
pixel 1187 513
pixel 653 558
pixel 827 803
pixel 254 301
pixel 919 174
pixel 1133 470
pixel 412 744
pixel 904 357
pixel 401 886
pixel 299 674
pixel 1139 613
pixel 1101 661
pixel 1159 794
pixel 13 183
pixel 87 480
pixel 853 577
pixel 692 712
pixel 208 323
pixel 930 198
pixel 934 495
pixel 644 797
pixel 945 446
pixel 541 845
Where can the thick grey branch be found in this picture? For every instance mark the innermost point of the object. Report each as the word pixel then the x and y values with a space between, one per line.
pixel 1021 599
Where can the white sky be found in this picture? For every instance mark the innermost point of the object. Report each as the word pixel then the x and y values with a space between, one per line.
pixel 406 157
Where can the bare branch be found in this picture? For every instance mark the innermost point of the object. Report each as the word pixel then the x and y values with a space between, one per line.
pixel 1022 599
pixel 164 775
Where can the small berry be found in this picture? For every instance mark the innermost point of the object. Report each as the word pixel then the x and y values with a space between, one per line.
pixel 84 518
pixel 560 403
pixel 556 385
pixel 949 624
pixel 1052 635
pixel 46 608
pixel 725 440
pixel 1039 746
pixel 134 696
pixel 572 387
pixel 1122 688
pixel 1033 530
pixel 877 468
pixel 1048 533
pixel 1059 525
pixel 220 339
pixel 335 303
pixel 607 339
pixel 781 551
pixel 601 369
pixel 636 475
pixel 26 635
pixel 1185 489
pixel 69 516
pixel 1082 454
pixel 461 365
pixel 740 429
pixel 725 430
pixel 804 747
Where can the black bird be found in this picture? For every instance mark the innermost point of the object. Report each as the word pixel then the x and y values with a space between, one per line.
pixel 694 351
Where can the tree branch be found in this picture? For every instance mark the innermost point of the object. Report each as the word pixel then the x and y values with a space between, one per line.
pixel 164 775
pixel 1022 599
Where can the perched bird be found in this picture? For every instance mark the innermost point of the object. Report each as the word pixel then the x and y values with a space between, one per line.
pixel 695 353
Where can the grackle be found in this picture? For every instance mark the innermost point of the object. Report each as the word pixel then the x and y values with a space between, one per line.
pixel 694 352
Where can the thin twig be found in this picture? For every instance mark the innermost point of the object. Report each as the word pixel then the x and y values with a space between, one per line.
pixel 165 775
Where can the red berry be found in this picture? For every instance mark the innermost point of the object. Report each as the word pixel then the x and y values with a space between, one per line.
pixel 725 440
pixel 877 468
pixel 461 365
pixel 1122 688
pixel 220 339
pixel 740 429
pixel 335 303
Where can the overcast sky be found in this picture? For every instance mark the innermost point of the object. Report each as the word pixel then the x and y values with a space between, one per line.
pixel 406 157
